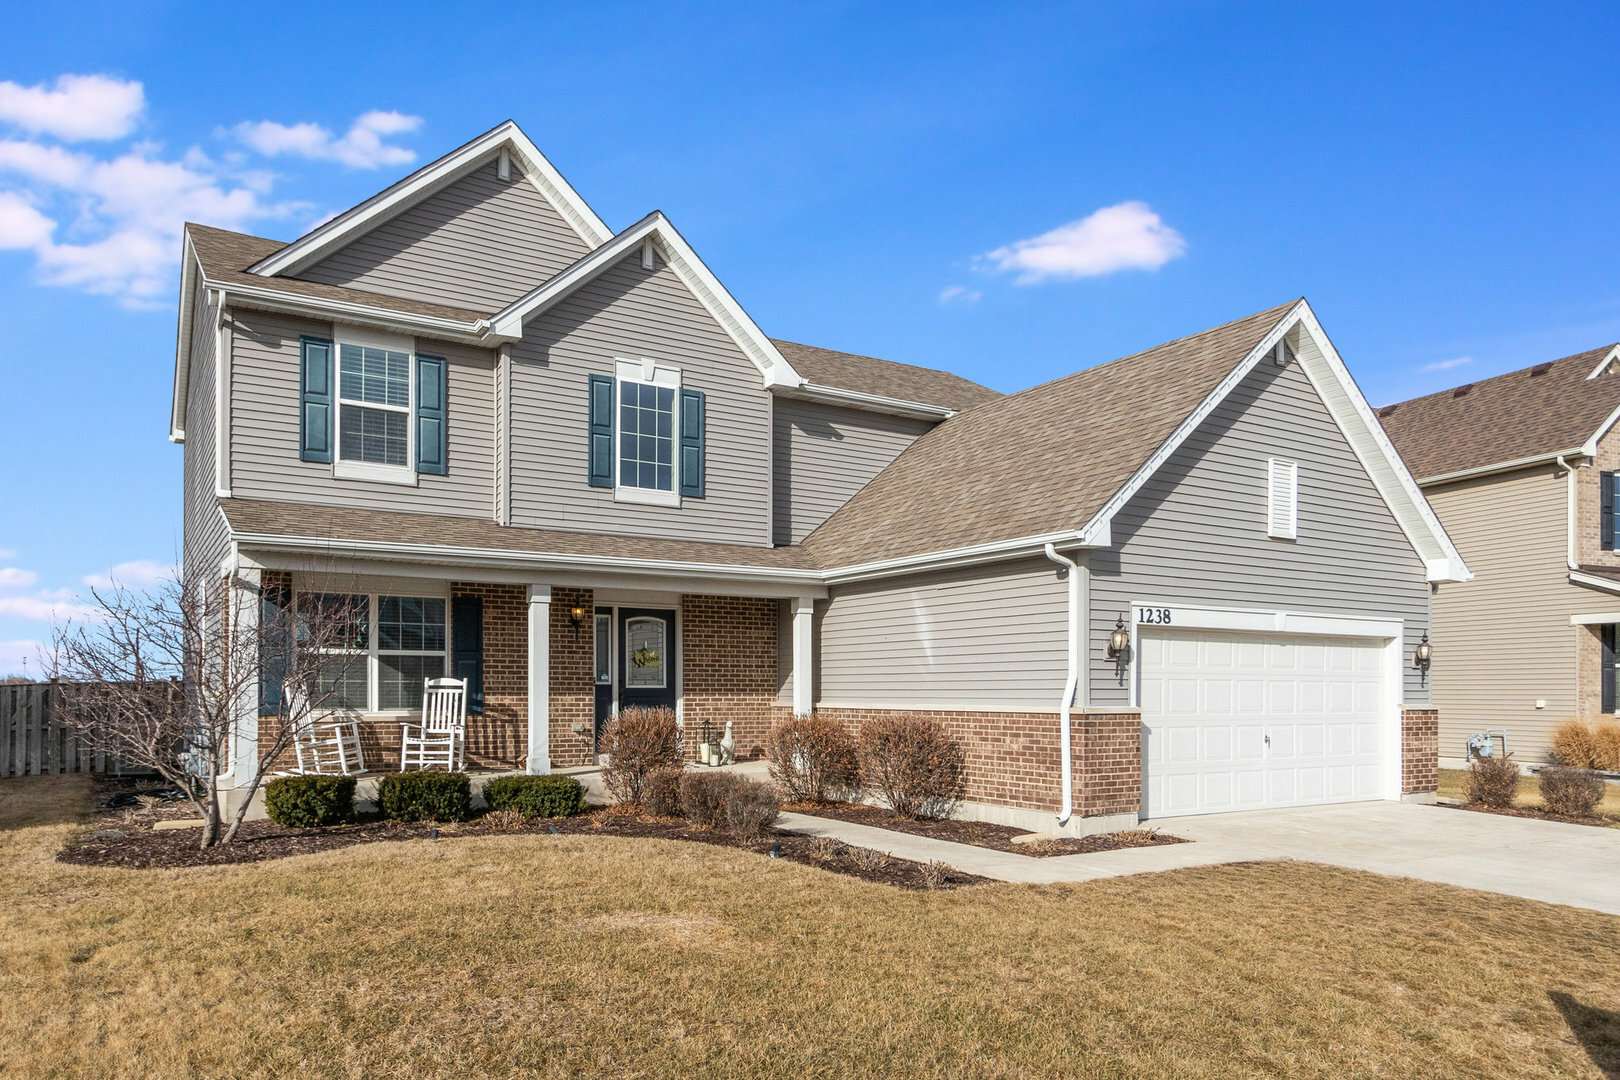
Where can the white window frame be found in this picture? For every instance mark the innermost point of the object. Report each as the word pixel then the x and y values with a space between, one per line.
pixel 1282 523
pixel 372 653
pixel 647 373
pixel 371 470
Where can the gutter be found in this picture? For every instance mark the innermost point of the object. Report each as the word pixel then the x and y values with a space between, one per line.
pixel 1569 512
pixel 1071 682
pixel 1499 467
pixel 477 332
pixel 854 399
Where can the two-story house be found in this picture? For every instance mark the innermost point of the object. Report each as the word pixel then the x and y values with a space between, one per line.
pixel 1521 469
pixel 564 463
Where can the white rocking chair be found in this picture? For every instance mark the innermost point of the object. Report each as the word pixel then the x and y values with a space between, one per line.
pixel 441 736
pixel 330 747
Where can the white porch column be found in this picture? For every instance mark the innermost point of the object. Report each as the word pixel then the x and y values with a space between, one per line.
pixel 240 619
pixel 539 761
pixel 804 697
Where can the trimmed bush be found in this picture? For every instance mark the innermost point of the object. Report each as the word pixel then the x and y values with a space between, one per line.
pixel 750 810
pixel 661 793
pixel 1580 744
pixel 306 802
pixel 425 796
pixel 638 742
pixel 1570 792
pixel 1493 782
pixel 813 759
pixel 910 761
pixel 536 796
pixel 704 795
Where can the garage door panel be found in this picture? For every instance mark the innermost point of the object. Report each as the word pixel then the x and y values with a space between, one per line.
pixel 1243 721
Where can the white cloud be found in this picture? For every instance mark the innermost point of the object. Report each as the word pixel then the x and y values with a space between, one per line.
pixel 8 553
pixel 21 226
pixel 79 107
pixel 46 607
pixel 1125 236
pixel 135 574
pixel 361 147
pixel 1447 365
pixel 19 658
pixel 12 577
pixel 959 294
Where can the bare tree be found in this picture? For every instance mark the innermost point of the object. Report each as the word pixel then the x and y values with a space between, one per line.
pixel 166 678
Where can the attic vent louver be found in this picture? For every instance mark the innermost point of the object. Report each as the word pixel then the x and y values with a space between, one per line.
pixel 1462 391
pixel 1540 369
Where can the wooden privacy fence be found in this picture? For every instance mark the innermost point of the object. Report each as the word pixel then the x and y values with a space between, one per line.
pixel 33 739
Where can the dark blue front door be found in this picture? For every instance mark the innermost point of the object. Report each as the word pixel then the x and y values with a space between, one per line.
pixel 646 642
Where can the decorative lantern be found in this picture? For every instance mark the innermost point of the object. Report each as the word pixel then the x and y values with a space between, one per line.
pixel 1119 640
pixel 1423 656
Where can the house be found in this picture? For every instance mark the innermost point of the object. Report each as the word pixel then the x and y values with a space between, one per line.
pixel 564 463
pixel 1521 469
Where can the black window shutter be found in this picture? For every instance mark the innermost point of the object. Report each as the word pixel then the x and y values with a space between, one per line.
pixel 692 463
pixel 1608 510
pixel 1607 669
pixel 467 647
pixel 431 409
pixel 275 645
pixel 315 400
pixel 601 435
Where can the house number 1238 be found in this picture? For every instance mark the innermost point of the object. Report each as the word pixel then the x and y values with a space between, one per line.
pixel 1157 615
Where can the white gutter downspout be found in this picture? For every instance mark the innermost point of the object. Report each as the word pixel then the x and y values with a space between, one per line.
pixel 1072 682
pixel 1569 512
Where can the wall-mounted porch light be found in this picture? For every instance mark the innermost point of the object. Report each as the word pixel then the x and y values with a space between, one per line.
pixel 1423 656
pixel 1119 644
pixel 576 617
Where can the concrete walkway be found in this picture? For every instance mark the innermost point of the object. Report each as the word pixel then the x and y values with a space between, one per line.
pixel 1578 865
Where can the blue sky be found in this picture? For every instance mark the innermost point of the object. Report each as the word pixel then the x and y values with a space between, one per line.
pixel 1011 192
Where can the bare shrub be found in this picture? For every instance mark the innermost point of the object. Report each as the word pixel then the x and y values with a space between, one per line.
pixel 704 795
pixel 1493 782
pixel 870 859
pixel 911 761
pixel 826 848
pixel 503 820
pixel 638 743
pixel 1606 734
pixel 751 808
pixel 935 874
pixel 813 759
pixel 1570 792
pixel 661 794
pixel 1580 744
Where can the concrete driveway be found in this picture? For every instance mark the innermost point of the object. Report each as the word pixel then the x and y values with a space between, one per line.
pixel 1578 865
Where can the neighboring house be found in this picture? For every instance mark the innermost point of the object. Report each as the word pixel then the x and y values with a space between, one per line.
pixel 565 464
pixel 1521 469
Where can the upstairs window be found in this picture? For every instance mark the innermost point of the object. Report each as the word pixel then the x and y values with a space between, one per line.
pixel 646 435
pixel 1611 502
pixel 374 387
pixel 372 407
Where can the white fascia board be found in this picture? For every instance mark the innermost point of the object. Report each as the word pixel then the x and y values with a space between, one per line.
pixel 190 267
pixel 400 322
pixel 720 304
pixel 854 399
pixel 999 551
pixel 315 245
pixel 1608 358
pixel 455 555
pixel 1266 620
pixel 1593 581
pixel 1501 467
pixel 1595 618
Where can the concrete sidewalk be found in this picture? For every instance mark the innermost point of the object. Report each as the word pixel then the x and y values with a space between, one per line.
pixel 1578 865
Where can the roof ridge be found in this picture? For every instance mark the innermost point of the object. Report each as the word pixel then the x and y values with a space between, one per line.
pixel 1504 375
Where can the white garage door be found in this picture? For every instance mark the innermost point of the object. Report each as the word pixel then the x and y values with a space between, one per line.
pixel 1246 721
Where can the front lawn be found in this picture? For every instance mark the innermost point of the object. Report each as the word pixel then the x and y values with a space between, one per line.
pixel 539 955
pixel 1454 784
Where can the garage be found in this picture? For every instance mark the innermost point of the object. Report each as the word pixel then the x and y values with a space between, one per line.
pixel 1248 721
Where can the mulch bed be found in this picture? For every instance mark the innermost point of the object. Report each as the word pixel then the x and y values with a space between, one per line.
pixel 1532 812
pixel 124 837
pixel 983 834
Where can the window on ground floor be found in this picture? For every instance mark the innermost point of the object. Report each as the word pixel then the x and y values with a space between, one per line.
pixel 397 643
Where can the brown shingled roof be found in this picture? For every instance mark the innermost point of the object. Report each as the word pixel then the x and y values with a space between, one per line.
pixel 1535 411
pixel 1040 461
pixel 885 378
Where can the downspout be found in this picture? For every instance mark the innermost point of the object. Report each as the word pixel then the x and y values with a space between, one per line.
pixel 1071 683
pixel 1569 512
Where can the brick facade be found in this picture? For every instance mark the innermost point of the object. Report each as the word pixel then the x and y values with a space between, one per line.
pixel 1420 750
pixel 499 736
pixel 573 682
pixel 1013 759
pixel 728 669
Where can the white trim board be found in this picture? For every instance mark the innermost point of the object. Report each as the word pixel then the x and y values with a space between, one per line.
pixel 1594 581
pixel 397 198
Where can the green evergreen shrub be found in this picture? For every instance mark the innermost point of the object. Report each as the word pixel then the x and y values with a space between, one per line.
pixel 425 796
pixel 306 802
pixel 536 796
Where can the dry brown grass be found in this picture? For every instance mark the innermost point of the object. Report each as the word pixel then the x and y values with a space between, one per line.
pixel 506 956
pixel 1453 785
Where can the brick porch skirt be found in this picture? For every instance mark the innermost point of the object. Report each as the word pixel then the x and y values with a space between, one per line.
pixel 1420 750
pixel 1013 759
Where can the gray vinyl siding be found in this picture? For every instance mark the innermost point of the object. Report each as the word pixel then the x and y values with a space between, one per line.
pixel 264 435
pixel 205 533
pixel 991 637
pixel 631 313
pixel 823 454
pixel 1196 533
pixel 480 243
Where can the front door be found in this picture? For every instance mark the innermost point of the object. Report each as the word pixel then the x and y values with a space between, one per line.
pixel 646 648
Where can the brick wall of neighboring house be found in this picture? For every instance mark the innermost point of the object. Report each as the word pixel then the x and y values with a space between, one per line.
pixel 1589 505
pixel 728 669
pixel 573 686
pixel 499 736
pixel 1420 750
pixel 1588 672
pixel 1013 759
